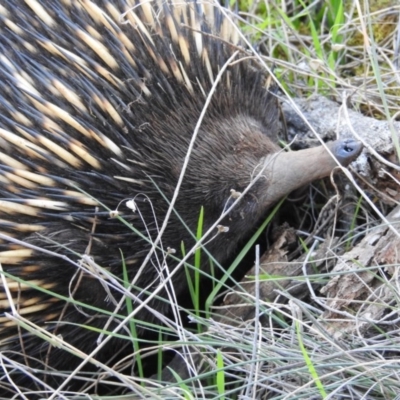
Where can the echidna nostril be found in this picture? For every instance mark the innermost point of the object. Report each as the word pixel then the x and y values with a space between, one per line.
pixel 347 150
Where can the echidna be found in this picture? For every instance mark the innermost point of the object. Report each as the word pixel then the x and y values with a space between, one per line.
pixel 102 103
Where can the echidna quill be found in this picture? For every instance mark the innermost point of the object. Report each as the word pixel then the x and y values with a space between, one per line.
pixel 99 102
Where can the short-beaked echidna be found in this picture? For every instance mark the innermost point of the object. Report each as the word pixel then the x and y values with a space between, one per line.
pixel 99 102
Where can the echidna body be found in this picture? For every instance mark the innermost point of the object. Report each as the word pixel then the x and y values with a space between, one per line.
pixel 99 102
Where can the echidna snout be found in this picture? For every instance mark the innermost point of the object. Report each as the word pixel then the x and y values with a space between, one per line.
pixel 306 166
pixel 98 104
